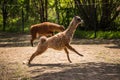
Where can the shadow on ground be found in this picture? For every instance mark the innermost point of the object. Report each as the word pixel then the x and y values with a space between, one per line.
pixel 23 40
pixel 78 71
pixel 98 41
pixel 14 40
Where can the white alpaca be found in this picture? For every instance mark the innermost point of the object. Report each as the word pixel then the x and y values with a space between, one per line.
pixel 59 41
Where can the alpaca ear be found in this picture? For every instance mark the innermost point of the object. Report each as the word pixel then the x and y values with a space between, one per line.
pixel 62 27
pixel 74 16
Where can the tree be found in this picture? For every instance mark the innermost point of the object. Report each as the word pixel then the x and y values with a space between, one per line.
pixel 27 7
pixel 4 13
pixel 98 13
pixel 57 10
pixel 40 7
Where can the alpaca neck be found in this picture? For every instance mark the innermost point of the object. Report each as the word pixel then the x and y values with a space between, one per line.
pixel 71 29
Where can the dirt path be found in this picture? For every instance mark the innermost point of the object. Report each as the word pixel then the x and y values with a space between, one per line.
pixel 101 60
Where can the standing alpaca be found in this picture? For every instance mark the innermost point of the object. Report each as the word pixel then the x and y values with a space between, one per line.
pixel 44 29
pixel 59 41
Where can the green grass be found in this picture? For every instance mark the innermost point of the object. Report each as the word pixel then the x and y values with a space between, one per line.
pixel 99 34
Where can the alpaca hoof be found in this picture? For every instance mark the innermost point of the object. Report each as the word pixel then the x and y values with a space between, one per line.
pixel 27 63
pixel 82 55
pixel 32 45
pixel 24 62
pixel 70 61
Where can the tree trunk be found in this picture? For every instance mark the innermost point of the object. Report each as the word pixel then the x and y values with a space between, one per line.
pixel 27 9
pixel 46 9
pixel 4 14
pixel 43 10
pixel 57 10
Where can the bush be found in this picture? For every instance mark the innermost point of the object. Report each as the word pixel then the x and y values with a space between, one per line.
pixel 100 34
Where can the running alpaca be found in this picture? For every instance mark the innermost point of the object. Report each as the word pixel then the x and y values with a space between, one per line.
pixel 59 41
pixel 44 29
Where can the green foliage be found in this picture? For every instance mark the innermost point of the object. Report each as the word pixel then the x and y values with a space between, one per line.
pixel 93 12
pixel 84 34
pixel 108 35
pixel 100 34
pixel 1 20
pixel 100 13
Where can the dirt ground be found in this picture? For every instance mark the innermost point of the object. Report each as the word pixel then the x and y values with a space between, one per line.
pixel 101 60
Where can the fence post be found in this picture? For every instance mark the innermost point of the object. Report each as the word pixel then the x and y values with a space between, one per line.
pixel 22 20
pixel 95 22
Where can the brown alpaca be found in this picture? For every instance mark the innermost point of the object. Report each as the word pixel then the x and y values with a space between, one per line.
pixel 59 41
pixel 44 29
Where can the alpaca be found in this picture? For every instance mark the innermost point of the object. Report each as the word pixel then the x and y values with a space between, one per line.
pixel 44 29
pixel 59 41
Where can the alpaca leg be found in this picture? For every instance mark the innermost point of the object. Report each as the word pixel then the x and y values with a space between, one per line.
pixel 40 49
pixel 35 54
pixel 31 41
pixel 52 33
pixel 32 57
pixel 33 38
pixel 72 49
pixel 67 55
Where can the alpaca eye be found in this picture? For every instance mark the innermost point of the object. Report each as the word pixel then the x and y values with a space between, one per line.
pixel 78 19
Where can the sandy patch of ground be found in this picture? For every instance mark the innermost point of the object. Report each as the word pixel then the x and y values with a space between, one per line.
pixel 101 60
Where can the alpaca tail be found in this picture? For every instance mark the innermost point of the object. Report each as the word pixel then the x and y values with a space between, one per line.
pixel 43 39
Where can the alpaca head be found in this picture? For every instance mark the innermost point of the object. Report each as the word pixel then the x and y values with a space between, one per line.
pixel 76 21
